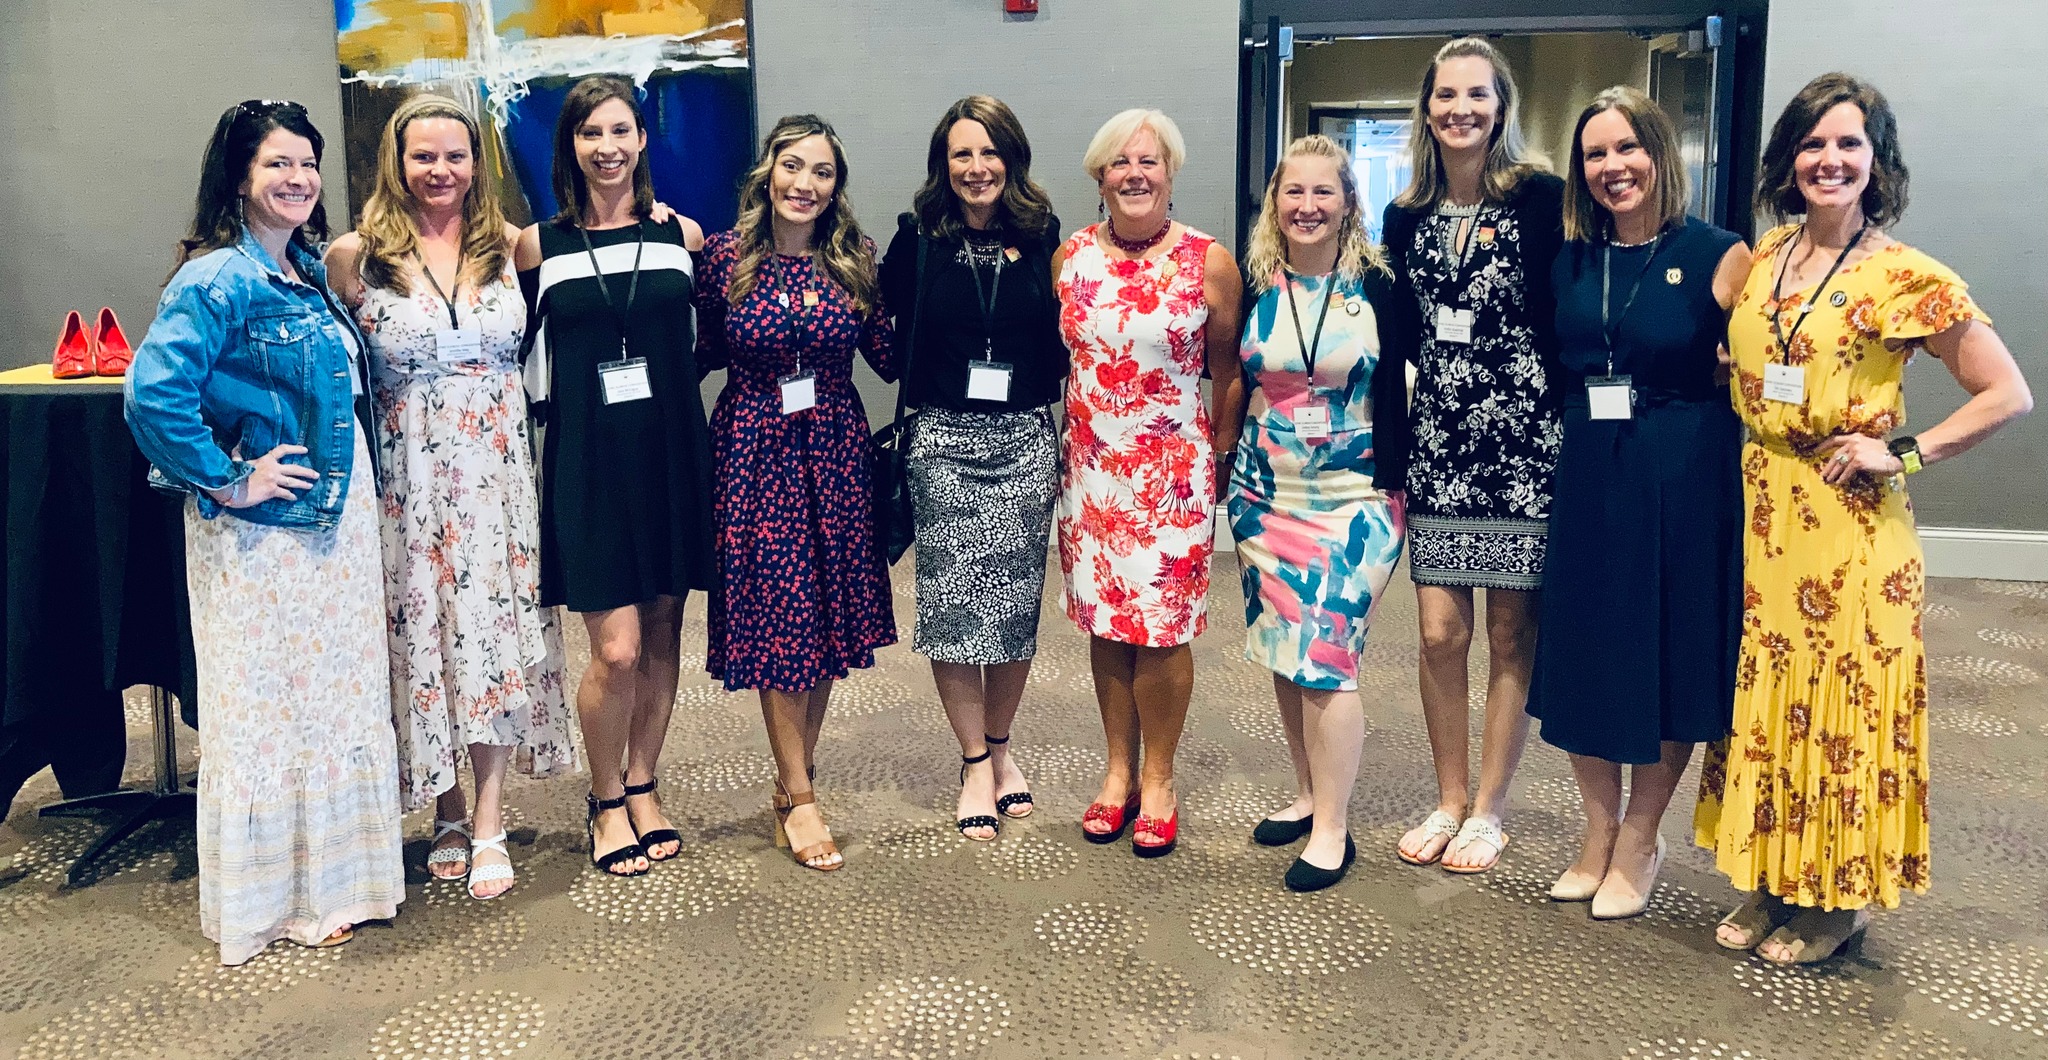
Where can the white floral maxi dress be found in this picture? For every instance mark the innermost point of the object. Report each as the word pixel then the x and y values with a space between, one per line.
pixel 475 659
pixel 299 828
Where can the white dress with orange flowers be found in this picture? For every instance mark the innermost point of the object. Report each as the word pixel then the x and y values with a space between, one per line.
pixel 475 659
pixel 1819 796
pixel 1138 487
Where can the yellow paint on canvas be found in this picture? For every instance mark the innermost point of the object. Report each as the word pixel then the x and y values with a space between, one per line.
pixel 634 18
pixel 403 31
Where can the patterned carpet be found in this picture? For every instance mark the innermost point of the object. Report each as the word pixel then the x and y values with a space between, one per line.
pixel 1040 945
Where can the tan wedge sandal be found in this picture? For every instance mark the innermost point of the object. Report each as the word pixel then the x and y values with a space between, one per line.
pixel 823 856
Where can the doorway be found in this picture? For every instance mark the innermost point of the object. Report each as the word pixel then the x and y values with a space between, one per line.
pixel 1349 69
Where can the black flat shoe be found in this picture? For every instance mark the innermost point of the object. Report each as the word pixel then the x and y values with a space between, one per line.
pixel 1272 833
pixel 1302 876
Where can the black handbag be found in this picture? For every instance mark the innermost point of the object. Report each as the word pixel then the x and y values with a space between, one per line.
pixel 895 516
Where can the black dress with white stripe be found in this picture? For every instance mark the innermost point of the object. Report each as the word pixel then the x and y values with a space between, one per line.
pixel 625 503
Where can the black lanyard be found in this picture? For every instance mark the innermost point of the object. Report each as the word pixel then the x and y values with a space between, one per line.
pixel 793 303
pixel 987 299
pixel 632 289
pixel 452 322
pixel 1611 330
pixel 1308 348
pixel 1778 291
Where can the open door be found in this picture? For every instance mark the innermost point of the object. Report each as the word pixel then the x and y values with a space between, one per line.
pixel 1692 77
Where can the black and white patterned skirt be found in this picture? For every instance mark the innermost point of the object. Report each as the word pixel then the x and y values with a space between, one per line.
pixel 983 486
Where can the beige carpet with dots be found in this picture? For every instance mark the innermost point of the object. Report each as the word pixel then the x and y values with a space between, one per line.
pixel 1042 945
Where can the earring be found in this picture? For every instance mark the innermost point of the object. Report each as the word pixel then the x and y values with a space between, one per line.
pixel 1101 208
pixel 1169 207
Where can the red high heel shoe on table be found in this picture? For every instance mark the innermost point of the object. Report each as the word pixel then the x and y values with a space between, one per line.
pixel 73 358
pixel 111 353
pixel 1167 829
pixel 1111 815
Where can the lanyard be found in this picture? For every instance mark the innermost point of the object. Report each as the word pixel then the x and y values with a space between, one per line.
pixel 987 300
pixel 452 322
pixel 793 305
pixel 1611 330
pixel 1778 291
pixel 1308 348
pixel 632 289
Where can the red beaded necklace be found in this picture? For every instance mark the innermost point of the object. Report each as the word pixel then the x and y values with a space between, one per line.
pixel 1136 246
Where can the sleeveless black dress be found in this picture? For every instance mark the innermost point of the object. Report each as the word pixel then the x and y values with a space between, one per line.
pixel 625 502
pixel 1642 587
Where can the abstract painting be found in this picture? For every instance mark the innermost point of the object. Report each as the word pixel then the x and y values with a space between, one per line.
pixel 512 61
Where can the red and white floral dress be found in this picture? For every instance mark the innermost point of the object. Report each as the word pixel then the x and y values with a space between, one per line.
pixel 1137 489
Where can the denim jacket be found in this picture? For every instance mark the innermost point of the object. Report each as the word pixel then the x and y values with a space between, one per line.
pixel 240 358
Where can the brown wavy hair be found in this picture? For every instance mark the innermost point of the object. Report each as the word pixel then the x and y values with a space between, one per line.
pixel 572 191
pixel 1884 198
pixel 1584 218
pixel 839 247
pixel 217 219
pixel 1508 158
pixel 391 235
pixel 1024 208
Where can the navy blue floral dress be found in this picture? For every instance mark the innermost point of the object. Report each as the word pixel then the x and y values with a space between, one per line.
pixel 803 591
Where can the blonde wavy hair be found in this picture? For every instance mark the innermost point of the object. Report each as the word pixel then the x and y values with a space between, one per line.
pixel 1508 158
pixel 391 238
pixel 838 245
pixel 1267 255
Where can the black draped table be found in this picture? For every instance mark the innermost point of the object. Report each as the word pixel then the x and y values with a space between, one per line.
pixel 92 600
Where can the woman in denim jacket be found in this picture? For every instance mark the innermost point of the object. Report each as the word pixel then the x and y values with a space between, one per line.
pixel 248 394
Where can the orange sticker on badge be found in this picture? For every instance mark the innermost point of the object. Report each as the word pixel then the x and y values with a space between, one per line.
pixel 1486 235
pixel 1011 254
pixel 810 299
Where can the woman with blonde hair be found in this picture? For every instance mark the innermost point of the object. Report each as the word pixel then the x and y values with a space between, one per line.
pixel 1642 584
pixel 1325 351
pixel 1145 304
pixel 1471 243
pixel 789 296
pixel 476 662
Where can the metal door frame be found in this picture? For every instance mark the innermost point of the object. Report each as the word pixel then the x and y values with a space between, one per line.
pixel 1738 80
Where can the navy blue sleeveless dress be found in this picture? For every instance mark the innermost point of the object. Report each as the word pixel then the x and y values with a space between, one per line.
pixel 1642 586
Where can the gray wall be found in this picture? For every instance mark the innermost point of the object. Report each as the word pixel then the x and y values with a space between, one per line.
pixel 882 71
pixel 1976 202
pixel 105 107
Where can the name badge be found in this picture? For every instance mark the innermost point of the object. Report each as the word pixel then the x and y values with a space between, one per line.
pixel 1785 382
pixel 1453 325
pixel 625 380
pixel 1312 421
pixel 459 345
pixel 988 381
pixel 1610 397
pixel 799 392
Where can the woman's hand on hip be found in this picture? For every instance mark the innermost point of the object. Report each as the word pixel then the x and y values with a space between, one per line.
pixel 1850 454
pixel 270 478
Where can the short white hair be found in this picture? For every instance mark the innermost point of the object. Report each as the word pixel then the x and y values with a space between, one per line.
pixel 1117 131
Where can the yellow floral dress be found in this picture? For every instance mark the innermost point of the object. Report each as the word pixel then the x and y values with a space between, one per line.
pixel 1819 795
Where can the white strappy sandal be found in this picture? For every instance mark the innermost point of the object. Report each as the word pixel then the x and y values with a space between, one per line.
pixel 440 855
pixel 1438 823
pixel 1477 830
pixel 480 873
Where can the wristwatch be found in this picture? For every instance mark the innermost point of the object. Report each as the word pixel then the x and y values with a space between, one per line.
pixel 1907 449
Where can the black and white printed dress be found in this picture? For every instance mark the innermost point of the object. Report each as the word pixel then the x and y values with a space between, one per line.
pixel 983 473
pixel 1486 417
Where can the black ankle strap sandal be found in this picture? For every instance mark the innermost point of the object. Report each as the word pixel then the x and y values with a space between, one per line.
pixel 651 839
pixel 981 820
pixel 617 857
pixel 1015 798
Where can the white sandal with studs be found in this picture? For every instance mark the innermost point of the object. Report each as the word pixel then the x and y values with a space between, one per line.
pixel 449 855
pixel 479 873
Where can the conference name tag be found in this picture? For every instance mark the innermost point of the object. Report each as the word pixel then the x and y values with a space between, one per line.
pixel 1785 382
pixel 625 380
pixel 459 345
pixel 799 392
pixel 988 381
pixel 1312 421
pixel 1453 325
pixel 1610 397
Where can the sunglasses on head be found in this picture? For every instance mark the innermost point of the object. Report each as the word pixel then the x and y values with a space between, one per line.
pixel 260 107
